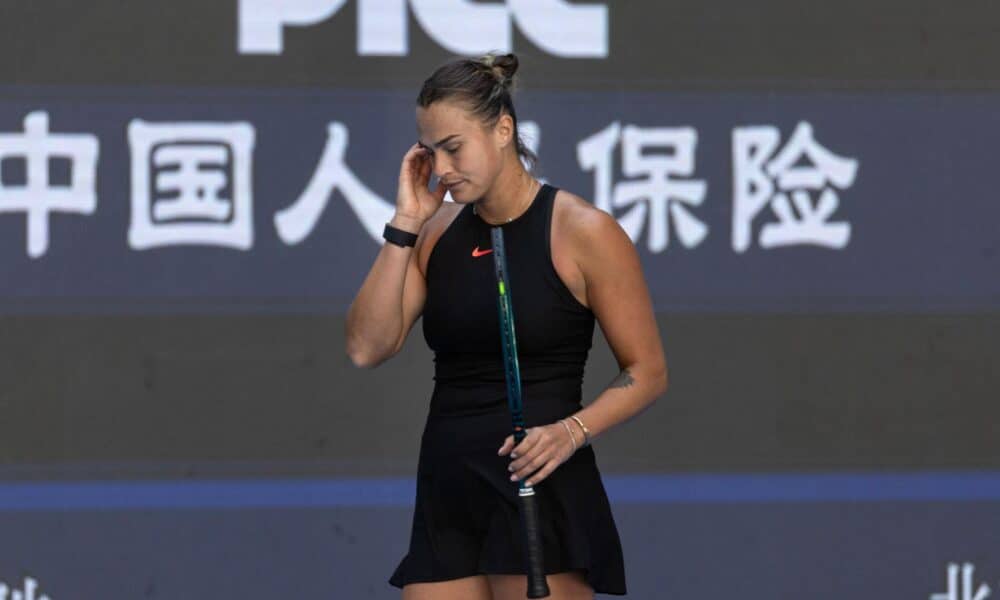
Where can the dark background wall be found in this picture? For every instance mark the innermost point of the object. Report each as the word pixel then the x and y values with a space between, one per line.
pixel 748 390
pixel 189 365
pixel 213 396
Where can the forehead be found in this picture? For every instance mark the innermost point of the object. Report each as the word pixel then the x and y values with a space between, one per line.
pixel 444 118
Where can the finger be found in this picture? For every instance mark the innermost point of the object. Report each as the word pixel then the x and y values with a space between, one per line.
pixel 508 445
pixel 406 168
pixel 415 154
pixel 531 463
pixel 412 152
pixel 523 454
pixel 425 169
pixel 529 469
pixel 543 473
pixel 526 444
pixel 419 161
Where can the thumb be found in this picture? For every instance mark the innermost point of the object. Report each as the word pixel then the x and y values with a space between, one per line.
pixel 508 445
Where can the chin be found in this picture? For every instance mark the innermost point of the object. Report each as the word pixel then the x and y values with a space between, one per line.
pixel 461 195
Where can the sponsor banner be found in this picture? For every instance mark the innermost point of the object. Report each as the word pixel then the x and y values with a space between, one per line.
pixel 195 200
pixel 582 44
pixel 824 536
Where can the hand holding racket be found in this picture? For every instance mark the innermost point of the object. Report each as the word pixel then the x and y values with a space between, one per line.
pixel 541 451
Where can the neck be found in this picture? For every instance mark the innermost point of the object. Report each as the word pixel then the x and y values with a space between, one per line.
pixel 508 197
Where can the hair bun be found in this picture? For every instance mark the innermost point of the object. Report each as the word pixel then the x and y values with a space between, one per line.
pixel 503 66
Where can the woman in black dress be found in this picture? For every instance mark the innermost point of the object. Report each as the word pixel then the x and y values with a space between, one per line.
pixel 569 263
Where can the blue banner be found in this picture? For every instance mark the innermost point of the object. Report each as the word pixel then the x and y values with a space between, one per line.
pixel 178 200
pixel 864 536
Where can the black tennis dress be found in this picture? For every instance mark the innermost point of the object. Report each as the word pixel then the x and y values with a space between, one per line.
pixel 465 520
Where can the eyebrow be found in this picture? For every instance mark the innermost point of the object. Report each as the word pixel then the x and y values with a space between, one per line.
pixel 439 143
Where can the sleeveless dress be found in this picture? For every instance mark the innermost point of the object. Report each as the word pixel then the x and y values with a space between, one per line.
pixel 465 519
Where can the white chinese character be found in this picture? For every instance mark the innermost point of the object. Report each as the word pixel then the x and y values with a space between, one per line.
pixel 30 587
pixel 531 134
pixel 38 196
pixel 983 591
pixel 295 222
pixel 661 187
pixel 191 184
pixel 762 178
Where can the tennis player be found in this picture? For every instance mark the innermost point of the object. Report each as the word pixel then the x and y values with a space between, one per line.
pixel 569 263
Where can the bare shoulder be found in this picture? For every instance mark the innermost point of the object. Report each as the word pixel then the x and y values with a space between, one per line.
pixel 432 230
pixel 586 241
pixel 583 226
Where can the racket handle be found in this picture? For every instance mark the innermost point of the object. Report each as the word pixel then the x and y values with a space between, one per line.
pixel 537 586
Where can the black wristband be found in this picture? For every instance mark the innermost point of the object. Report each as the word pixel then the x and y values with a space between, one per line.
pixel 399 237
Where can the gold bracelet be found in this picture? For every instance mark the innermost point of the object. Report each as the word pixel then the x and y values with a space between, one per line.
pixel 570 432
pixel 586 432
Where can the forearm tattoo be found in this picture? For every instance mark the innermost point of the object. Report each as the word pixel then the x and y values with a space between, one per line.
pixel 623 380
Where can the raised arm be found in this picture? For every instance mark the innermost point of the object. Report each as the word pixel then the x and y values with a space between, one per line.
pixel 386 307
pixel 392 295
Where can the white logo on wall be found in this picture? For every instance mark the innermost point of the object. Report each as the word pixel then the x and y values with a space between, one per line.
pixel 37 197
pixel 460 26
pixel 191 184
pixel 962 589
pixel 28 593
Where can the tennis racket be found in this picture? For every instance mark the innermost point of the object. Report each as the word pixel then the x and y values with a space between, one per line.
pixel 537 586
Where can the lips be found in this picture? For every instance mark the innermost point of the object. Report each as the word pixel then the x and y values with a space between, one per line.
pixel 452 185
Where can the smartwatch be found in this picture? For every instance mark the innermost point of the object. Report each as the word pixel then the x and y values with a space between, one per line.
pixel 398 236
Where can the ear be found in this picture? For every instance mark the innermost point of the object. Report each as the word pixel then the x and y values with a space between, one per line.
pixel 504 130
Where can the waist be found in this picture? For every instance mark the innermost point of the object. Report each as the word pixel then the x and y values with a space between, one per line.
pixel 464 418
pixel 542 400
pixel 477 369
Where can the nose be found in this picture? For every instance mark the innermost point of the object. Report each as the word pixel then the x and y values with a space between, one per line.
pixel 439 161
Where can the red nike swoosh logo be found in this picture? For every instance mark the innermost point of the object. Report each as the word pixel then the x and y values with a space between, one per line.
pixel 476 252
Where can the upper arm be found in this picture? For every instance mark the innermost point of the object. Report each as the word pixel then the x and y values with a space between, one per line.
pixel 415 282
pixel 616 290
